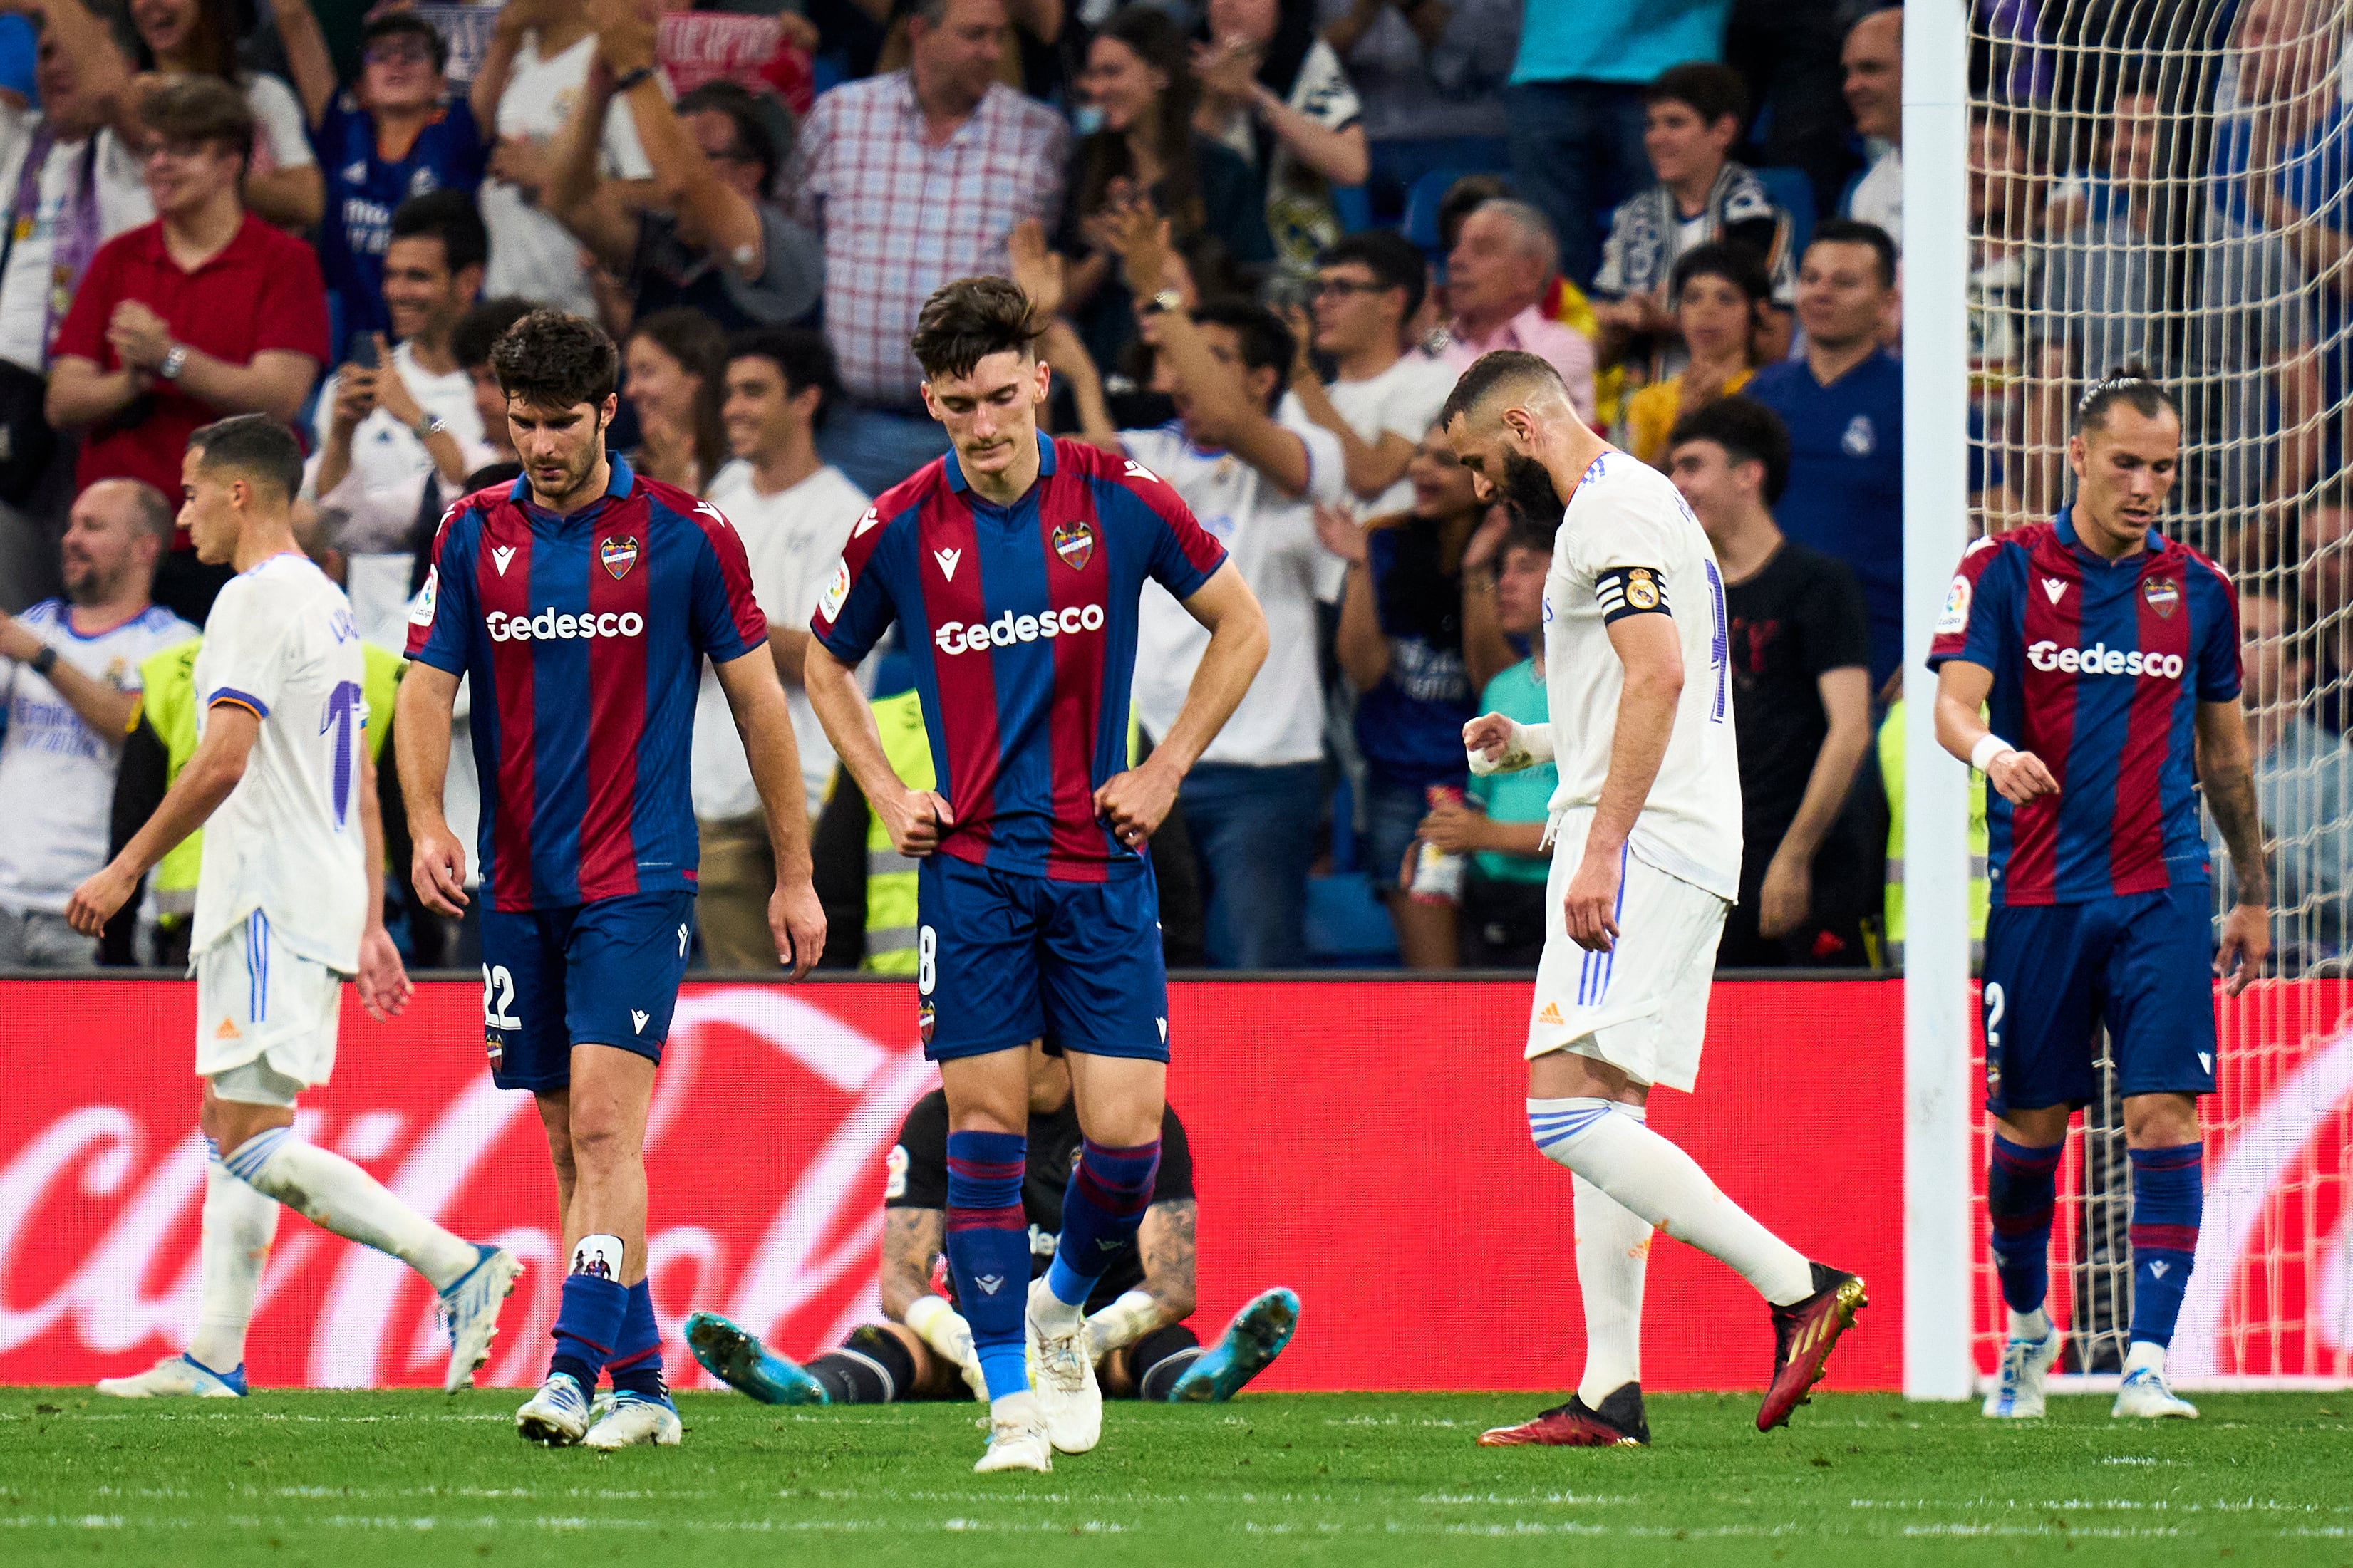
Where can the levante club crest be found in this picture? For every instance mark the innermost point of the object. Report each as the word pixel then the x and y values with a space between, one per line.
pixel 618 555
pixel 1074 542
pixel 2162 594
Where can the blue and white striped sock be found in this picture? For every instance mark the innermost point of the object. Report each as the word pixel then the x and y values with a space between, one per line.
pixel 239 1224
pixel 335 1194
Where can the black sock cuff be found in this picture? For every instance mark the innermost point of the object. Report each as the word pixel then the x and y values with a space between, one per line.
pixel 1158 1359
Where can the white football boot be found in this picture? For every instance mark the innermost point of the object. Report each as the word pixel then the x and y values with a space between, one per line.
pixel 175 1377
pixel 2017 1393
pixel 557 1415
pixel 1017 1436
pixel 632 1419
pixel 470 1308
pixel 2144 1394
pixel 1067 1395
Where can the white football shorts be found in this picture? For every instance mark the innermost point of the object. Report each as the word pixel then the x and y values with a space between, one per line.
pixel 1641 1007
pixel 265 1017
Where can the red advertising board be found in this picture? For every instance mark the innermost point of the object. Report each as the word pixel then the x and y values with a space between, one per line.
pixel 1363 1142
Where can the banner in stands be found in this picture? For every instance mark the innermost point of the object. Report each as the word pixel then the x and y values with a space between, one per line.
pixel 1363 1144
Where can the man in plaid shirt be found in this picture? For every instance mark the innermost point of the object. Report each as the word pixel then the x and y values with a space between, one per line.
pixel 915 179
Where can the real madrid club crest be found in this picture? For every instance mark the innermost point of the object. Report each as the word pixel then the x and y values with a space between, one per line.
pixel 924 1018
pixel 1074 542
pixel 2164 595
pixel 618 555
pixel 1641 590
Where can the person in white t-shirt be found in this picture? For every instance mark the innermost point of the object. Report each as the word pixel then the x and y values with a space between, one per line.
pixel 1872 59
pixel 289 903
pixel 383 436
pixel 1253 802
pixel 534 70
pixel 1645 830
pixel 1381 402
pixel 794 512
pixel 69 685
pixel 198 38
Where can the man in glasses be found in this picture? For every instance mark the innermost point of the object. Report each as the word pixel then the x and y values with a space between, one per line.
pixel 1381 398
pixel 399 132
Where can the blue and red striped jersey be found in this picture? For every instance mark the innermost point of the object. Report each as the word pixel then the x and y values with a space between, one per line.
pixel 1020 622
pixel 2098 668
pixel 584 638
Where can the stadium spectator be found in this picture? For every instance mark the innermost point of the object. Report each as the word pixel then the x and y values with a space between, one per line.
pixel 673 371
pixel 1721 295
pixel 794 512
pixel 1842 405
pixel 1501 824
pixel 1693 113
pixel 713 240
pixel 1277 94
pixel 1576 103
pixel 207 310
pixel 69 687
pixel 180 40
pixel 1138 80
pixel 1380 399
pixel 398 133
pixel 1786 52
pixel 401 415
pixel 1873 63
pixel 1255 801
pixel 1498 279
pixel 2304 784
pixel 2007 250
pixel 1891 779
pixel 534 68
pixel 2323 546
pixel 1405 644
pixel 71 180
pixel 1431 74
pixel 915 179
pixel 1800 651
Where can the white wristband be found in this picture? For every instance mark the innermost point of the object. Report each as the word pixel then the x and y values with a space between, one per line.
pixel 939 1325
pixel 1989 747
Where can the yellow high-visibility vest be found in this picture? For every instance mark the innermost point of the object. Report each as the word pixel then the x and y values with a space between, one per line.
pixel 1890 769
pixel 891 876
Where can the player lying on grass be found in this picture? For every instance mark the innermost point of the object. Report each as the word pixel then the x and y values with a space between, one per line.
pixel 290 904
pixel 1136 1332
pixel 2111 654
pixel 1645 831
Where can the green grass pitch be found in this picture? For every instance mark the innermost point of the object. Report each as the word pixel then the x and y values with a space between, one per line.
pixel 350 1480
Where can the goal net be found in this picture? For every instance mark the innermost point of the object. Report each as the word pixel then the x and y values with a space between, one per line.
pixel 2169 184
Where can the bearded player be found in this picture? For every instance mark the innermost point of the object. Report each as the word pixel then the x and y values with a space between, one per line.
pixel 1645 831
pixel 289 903
pixel 581 601
pixel 2110 654
pixel 1136 1333
pixel 1015 564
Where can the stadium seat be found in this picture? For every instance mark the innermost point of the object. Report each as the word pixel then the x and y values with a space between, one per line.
pixel 1793 193
pixel 1353 207
pixel 1421 209
pixel 1348 927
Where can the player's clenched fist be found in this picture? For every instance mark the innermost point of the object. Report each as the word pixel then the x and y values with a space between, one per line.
pixel 1590 909
pixel 2021 777
pixel 796 920
pixel 437 868
pixel 1136 803
pixel 915 819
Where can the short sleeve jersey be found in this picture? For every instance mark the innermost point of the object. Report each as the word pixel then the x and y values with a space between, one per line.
pixel 1629 545
pixel 364 187
pixel 1021 625
pixel 584 636
pixel 2098 668
pixel 281 644
pixel 917 1178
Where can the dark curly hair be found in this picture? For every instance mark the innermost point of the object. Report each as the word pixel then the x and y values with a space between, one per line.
pixel 551 360
pixel 966 321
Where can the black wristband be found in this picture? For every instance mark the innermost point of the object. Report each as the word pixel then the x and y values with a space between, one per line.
pixel 629 79
pixel 44 661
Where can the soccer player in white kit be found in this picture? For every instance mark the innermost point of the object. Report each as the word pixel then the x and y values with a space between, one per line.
pixel 289 903
pixel 1645 831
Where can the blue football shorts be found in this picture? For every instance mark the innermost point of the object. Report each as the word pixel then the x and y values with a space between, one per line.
pixel 2142 965
pixel 600 974
pixel 1002 959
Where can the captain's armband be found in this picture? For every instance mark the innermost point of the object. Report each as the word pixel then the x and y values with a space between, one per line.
pixel 1631 591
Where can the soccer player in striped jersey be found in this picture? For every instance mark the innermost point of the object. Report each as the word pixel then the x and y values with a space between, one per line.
pixel 2109 655
pixel 582 600
pixel 1015 564
pixel 1645 834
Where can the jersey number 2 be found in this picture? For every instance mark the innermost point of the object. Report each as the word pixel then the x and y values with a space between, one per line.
pixel 498 999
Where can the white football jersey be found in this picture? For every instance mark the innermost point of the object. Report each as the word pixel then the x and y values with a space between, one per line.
pixel 1628 540
pixel 289 840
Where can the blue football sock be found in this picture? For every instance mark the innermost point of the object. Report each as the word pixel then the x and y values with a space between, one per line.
pixel 590 1314
pixel 2168 1189
pixel 2021 1189
pixel 636 1363
pixel 988 1251
pixel 1102 1208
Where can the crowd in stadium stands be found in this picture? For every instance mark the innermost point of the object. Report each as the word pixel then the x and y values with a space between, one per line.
pixel 1267 235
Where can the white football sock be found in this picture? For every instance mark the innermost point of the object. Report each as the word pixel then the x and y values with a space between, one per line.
pixel 1613 1254
pixel 1603 1142
pixel 2034 1325
pixel 2145 1356
pixel 239 1225
pixel 335 1194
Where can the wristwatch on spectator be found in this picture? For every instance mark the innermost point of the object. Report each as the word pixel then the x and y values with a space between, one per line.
pixel 1165 301
pixel 429 426
pixel 43 662
pixel 629 79
pixel 175 360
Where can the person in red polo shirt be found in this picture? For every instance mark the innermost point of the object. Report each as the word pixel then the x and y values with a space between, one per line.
pixel 205 312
